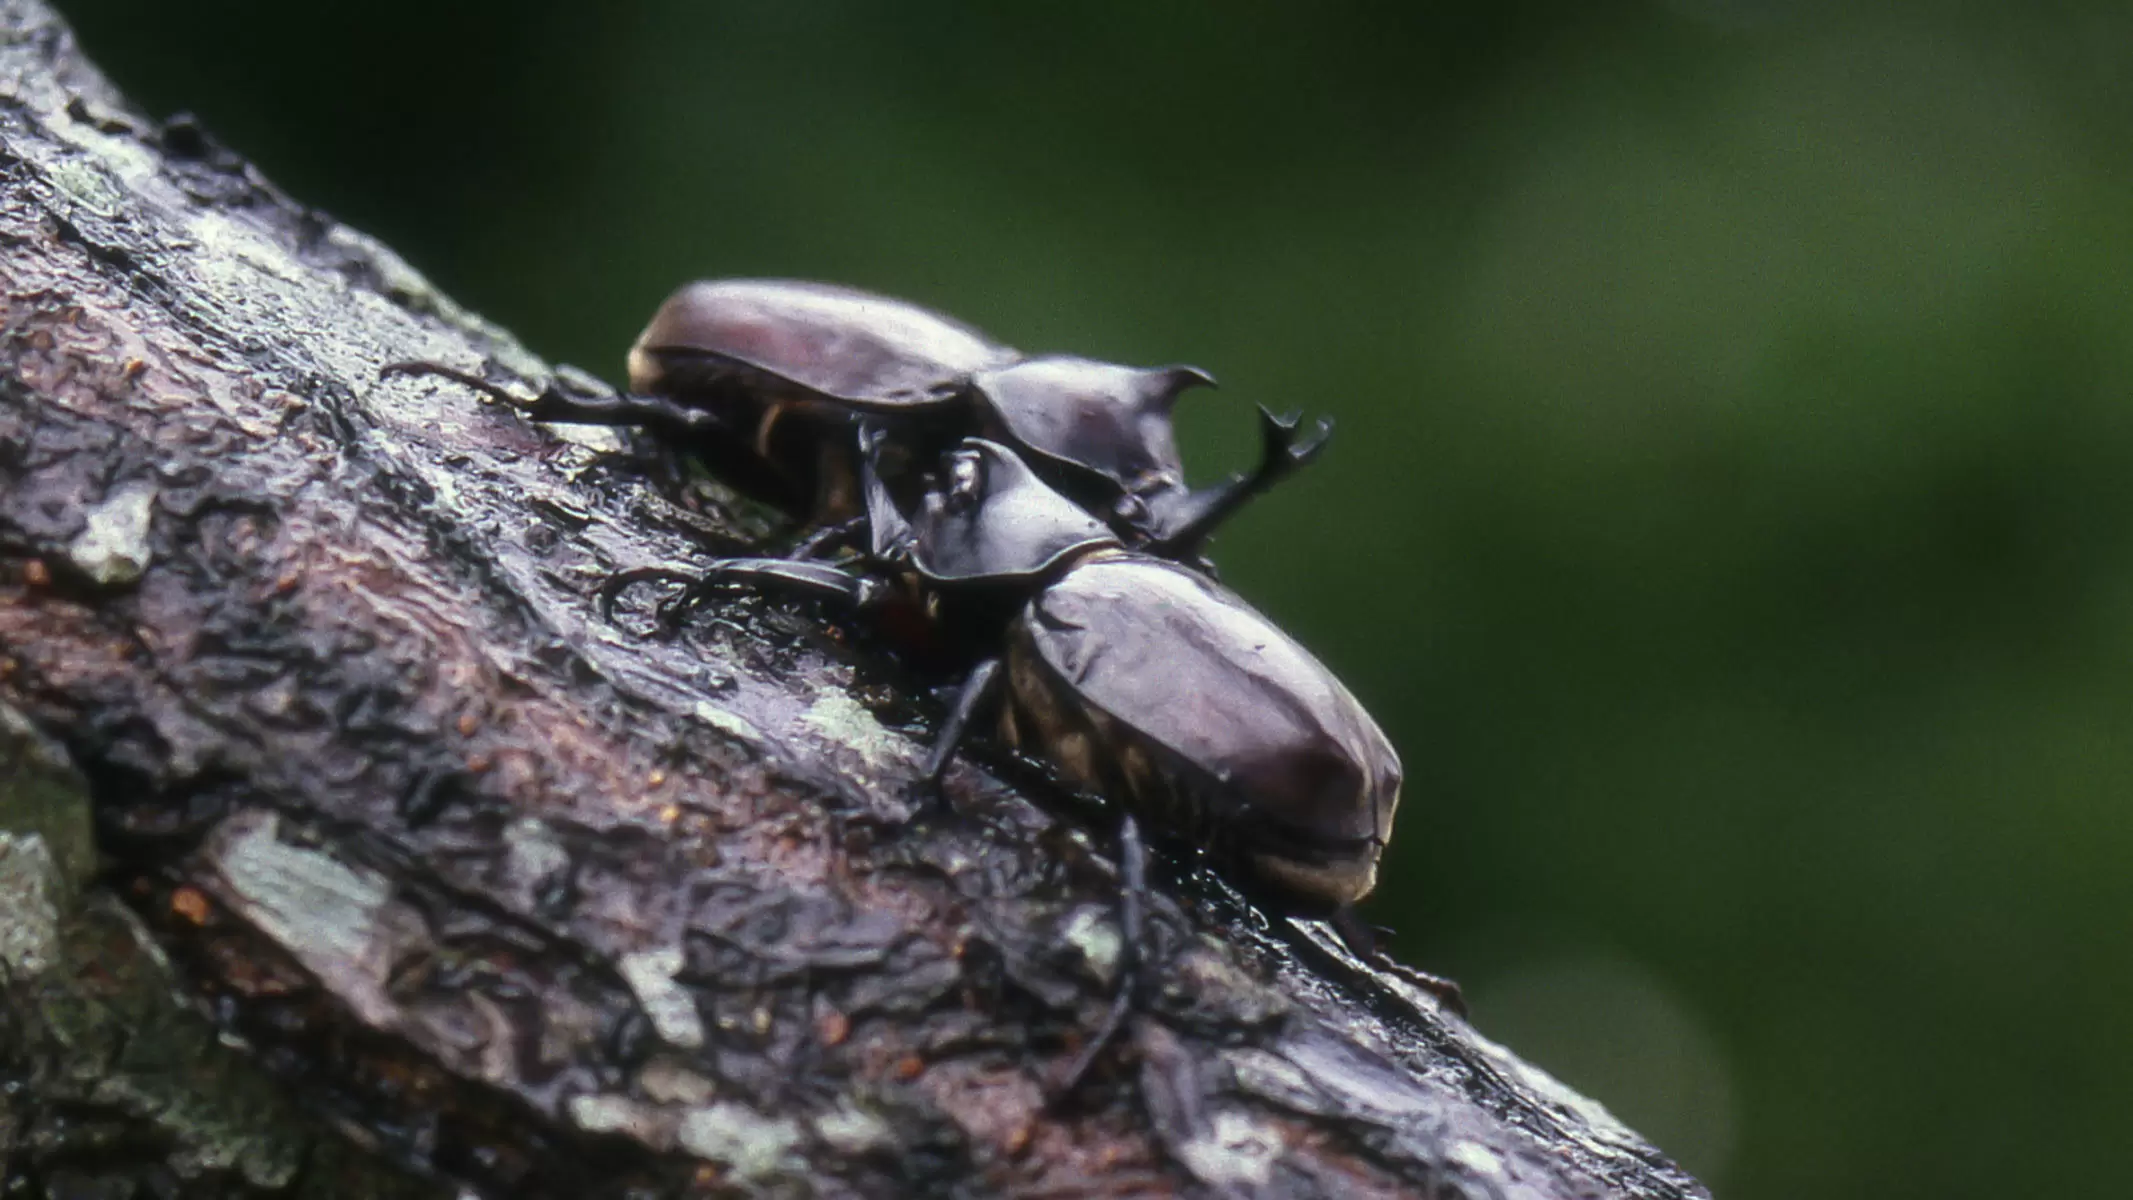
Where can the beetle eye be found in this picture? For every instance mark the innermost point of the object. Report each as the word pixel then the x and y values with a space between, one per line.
pixel 964 482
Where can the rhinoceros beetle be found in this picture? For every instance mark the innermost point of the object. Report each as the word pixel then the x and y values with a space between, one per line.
pixel 782 373
pixel 1133 676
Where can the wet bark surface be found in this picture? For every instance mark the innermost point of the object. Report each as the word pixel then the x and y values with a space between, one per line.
pixel 467 885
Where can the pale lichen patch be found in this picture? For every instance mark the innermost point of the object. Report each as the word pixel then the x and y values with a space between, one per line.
pixel 533 855
pixel 1269 1076
pixel 619 1114
pixel 1476 1157
pixel 669 1082
pixel 1206 974
pixel 337 920
pixel 668 1005
pixel 1092 931
pixel 751 1145
pixel 125 157
pixel 112 548
pixel 29 932
pixel 598 438
pixel 731 724
pixel 1233 1149
pixel 848 723
pixel 302 897
pixel 87 184
pixel 850 1129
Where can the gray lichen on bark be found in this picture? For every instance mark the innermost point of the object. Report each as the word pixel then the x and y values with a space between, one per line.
pixel 497 891
pixel 108 1085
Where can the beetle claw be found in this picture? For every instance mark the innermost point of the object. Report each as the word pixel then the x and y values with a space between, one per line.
pixel 674 611
pixel 927 796
pixel 1311 447
pixel 621 581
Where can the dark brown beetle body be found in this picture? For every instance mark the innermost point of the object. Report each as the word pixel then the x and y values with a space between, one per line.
pixel 1148 682
pixel 1140 679
pixel 1136 677
pixel 793 366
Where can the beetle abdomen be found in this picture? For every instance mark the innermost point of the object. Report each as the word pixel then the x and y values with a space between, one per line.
pixel 1090 749
pixel 1249 734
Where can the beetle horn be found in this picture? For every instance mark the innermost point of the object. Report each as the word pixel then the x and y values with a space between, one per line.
pixel 1166 383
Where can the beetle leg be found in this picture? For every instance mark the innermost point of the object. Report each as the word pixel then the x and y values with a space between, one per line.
pixel 574 402
pixel 1362 941
pixel 827 537
pixel 1132 930
pixel 1280 453
pixel 616 584
pixel 983 681
pixel 818 580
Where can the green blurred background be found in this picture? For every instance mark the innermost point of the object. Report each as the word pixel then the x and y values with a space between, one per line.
pixel 1731 519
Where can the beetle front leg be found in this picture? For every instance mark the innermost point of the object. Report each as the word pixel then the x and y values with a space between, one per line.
pixel 578 402
pixel 1199 514
pixel 827 538
pixel 1132 931
pixel 815 580
pixel 978 688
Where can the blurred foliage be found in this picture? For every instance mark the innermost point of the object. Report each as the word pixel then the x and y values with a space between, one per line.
pixel 1731 519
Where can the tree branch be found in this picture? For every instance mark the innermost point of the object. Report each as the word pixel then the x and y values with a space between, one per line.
pixel 508 895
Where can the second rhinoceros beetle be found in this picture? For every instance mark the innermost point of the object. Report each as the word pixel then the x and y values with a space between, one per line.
pixel 1133 676
pixel 782 373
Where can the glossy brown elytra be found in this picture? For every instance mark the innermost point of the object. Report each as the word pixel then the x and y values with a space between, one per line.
pixel 770 379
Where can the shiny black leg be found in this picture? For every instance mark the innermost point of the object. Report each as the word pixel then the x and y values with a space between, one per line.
pixel 575 402
pixel 1132 932
pixel 1362 941
pixel 978 688
pixel 818 581
pixel 827 538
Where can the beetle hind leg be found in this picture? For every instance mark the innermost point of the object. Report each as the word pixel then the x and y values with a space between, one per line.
pixel 1361 939
pixel 1133 931
pixel 978 688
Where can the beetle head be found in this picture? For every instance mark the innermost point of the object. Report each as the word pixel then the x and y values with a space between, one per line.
pixel 988 517
pixel 1107 420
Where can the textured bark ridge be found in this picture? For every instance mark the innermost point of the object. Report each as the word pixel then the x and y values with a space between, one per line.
pixel 465 885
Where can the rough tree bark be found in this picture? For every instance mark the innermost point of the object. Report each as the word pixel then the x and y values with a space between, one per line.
pixel 346 850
